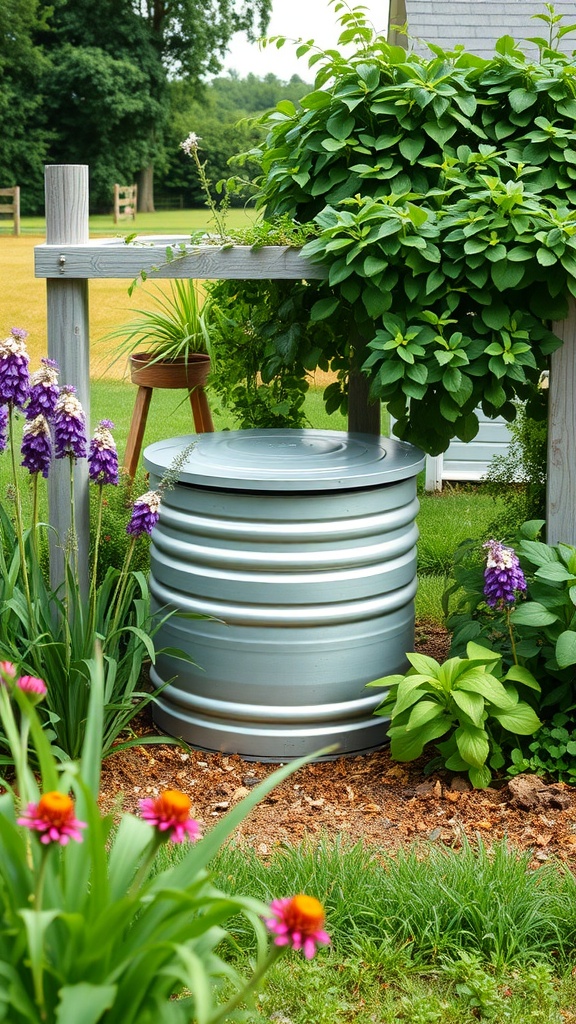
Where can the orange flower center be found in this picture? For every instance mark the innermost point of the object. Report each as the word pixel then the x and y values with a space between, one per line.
pixel 304 914
pixel 55 809
pixel 174 805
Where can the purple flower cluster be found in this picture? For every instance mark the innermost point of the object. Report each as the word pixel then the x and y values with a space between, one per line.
pixel 503 577
pixel 145 514
pixel 43 393
pixel 14 377
pixel 102 455
pixel 37 446
pixel 69 425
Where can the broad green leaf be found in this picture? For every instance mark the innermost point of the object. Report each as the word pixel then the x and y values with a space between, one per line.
pixel 408 746
pixel 473 745
pixel 324 308
pixel 409 691
pixel 472 704
pixel 521 719
pixel 537 552
pixel 423 664
pixel 520 674
pixel 480 777
pixel 84 1002
pixel 487 685
pixel 532 613
pixel 555 571
pixel 424 712
pixel 566 648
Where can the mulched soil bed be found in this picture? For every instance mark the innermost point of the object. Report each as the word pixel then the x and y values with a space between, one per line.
pixel 369 797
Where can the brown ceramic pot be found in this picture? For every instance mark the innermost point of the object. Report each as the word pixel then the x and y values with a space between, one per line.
pixel 184 373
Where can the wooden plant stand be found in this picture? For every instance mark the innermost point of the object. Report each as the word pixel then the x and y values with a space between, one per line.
pixel 182 374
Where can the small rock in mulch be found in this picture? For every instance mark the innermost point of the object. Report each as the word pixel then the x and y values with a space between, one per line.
pixel 530 793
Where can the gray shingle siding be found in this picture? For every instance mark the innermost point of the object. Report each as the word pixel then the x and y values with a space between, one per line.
pixel 479 24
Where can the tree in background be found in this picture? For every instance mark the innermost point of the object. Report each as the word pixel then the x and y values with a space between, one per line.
pixel 24 138
pixel 221 116
pixel 102 92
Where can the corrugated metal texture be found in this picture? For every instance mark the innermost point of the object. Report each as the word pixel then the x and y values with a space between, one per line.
pixel 309 593
pixel 477 25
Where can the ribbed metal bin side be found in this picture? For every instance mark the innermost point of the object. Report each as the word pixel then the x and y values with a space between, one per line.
pixel 309 592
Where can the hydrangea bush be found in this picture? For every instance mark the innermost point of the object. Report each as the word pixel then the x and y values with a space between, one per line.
pixel 48 630
pixel 93 925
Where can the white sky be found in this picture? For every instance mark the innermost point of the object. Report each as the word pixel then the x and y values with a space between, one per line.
pixel 309 19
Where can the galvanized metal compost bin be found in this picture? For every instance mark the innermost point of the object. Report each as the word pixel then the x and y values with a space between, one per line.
pixel 300 546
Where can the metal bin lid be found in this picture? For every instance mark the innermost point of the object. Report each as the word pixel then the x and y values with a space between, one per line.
pixel 287 460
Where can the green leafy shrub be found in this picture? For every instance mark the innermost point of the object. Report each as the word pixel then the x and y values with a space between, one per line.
pixel 443 189
pixel 472 699
pixel 543 637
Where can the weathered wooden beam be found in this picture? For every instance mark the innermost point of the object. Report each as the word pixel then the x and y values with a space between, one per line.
pixel 561 481
pixel 117 259
pixel 68 343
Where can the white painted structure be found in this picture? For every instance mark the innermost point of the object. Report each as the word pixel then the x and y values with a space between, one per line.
pixel 468 461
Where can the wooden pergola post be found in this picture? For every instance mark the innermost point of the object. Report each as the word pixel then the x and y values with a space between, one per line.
pixel 561 479
pixel 66 187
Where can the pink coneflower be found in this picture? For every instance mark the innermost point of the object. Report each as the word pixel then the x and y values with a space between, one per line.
pixel 7 670
pixel 298 922
pixel 53 817
pixel 170 812
pixel 35 688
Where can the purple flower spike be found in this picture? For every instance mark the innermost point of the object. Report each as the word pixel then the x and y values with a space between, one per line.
pixel 145 514
pixel 102 455
pixel 43 393
pixel 37 446
pixel 503 577
pixel 14 378
pixel 69 425
pixel 3 427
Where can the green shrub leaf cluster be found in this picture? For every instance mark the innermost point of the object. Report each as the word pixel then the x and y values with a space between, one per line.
pixel 469 698
pixel 443 189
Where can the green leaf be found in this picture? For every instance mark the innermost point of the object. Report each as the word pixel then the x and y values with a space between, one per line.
pixel 521 99
pixel 441 135
pixel 84 1002
pixel 507 275
pixel 411 689
pixel 324 308
pixel 566 648
pixel 424 712
pixel 411 147
pixel 472 743
pixel 480 777
pixel 424 665
pixel 520 674
pixel 482 682
pixel 521 720
pixel 472 704
pixel 408 746
pixel 534 614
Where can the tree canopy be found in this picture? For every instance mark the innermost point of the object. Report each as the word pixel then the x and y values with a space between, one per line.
pixel 89 83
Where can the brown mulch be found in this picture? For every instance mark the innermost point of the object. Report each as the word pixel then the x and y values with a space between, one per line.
pixel 369 797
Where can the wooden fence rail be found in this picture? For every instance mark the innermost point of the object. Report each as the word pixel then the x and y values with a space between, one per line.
pixel 12 207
